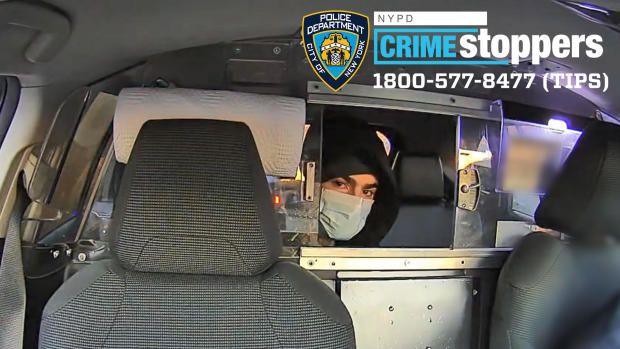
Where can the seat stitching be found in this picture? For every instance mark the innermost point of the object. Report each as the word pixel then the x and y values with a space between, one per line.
pixel 76 296
pixel 153 238
pixel 118 309
pixel 260 295
pixel 537 283
pixel 336 322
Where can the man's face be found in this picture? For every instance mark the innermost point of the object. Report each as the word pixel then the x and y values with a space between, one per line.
pixel 362 185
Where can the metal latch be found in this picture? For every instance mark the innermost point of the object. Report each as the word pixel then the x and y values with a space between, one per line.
pixel 469 189
pixel 309 175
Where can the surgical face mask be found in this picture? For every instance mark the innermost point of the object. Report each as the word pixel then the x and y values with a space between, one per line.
pixel 343 215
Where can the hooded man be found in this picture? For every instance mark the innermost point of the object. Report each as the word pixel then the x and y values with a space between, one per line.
pixel 358 198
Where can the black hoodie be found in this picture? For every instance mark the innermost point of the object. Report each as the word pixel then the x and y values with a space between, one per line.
pixel 351 146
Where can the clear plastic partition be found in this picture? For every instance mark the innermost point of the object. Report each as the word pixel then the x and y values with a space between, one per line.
pixel 531 155
pixel 96 225
pixel 478 203
pixel 505 166
pixel 295 199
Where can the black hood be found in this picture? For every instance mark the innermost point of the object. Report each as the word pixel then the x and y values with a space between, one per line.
pixel 351 146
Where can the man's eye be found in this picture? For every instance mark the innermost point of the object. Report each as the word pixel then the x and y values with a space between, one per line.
pixel 341 184
pixel 369 193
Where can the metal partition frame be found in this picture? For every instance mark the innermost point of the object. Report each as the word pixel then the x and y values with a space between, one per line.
pixel 480 266
pixel 387 314
pixel 373 259
pixel 400 99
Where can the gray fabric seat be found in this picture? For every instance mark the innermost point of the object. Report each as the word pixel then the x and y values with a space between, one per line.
pixel 602 333
pixel 196 257
pixel 424 219
pixel 550 290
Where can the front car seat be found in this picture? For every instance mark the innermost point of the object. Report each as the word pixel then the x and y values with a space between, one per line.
pixel 196 257
pixel 549 289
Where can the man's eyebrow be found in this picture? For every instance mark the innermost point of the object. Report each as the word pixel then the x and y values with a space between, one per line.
pixel 371 186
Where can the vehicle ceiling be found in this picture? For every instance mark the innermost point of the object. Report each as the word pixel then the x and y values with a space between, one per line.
pixel 110 35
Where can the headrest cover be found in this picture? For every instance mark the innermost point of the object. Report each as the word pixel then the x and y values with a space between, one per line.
pixel 584 199
pixel 194 199
pixel 277 123
pixel 421 178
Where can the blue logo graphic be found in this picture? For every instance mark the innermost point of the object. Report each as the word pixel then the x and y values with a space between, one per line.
pixel 335 43
pixel 429 46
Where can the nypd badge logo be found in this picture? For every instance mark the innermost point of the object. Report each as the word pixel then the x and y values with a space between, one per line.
pixel 336 43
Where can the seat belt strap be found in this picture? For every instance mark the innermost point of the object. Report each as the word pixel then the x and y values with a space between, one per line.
pixel 12 283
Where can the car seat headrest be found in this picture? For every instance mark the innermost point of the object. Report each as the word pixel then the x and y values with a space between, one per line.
pixel 584 199
pixel 421 178
pixel 276 122
pixel 194 199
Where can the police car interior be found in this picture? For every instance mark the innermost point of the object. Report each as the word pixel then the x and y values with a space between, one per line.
pixel 171 176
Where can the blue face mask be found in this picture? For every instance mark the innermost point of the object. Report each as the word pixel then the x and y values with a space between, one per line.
pixel 343 215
